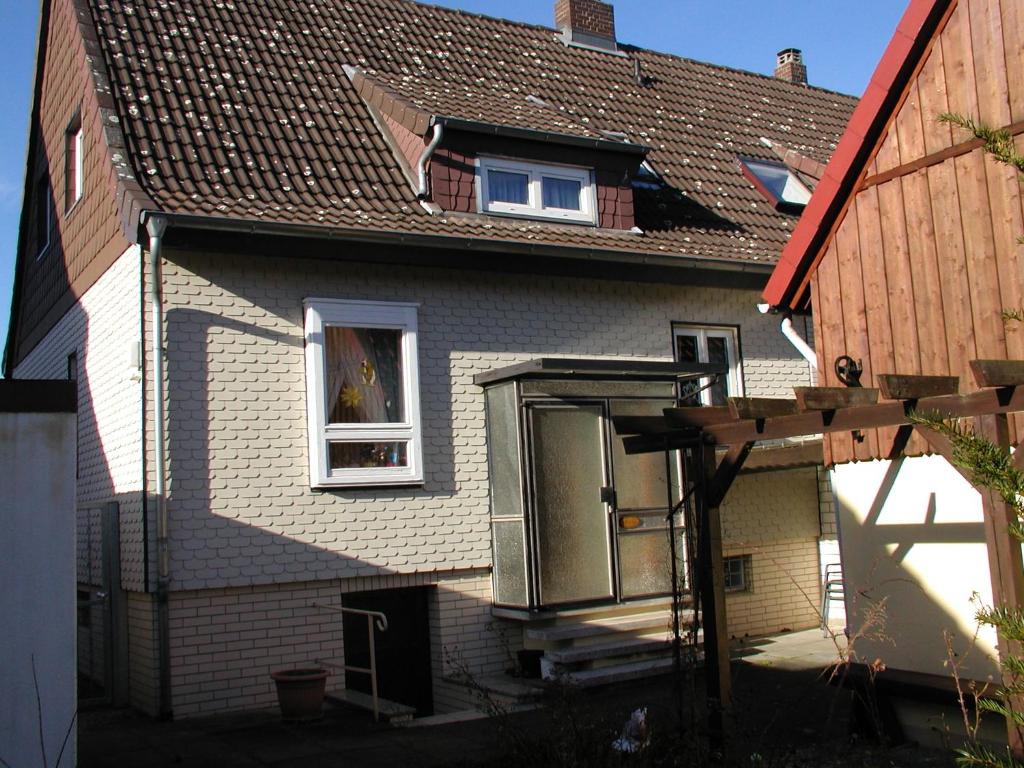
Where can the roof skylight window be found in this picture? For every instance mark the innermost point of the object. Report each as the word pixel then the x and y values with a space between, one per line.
pixel 777 183
pixel 535 190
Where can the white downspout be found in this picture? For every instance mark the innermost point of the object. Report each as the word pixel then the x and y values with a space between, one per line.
pixel 156 226
pixel 795 339
pixel 421 167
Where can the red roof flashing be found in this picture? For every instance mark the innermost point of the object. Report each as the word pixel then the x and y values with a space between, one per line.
pixel 786 288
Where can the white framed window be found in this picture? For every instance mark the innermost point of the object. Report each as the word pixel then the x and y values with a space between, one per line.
pixel 709 344
pixel 362 393
pixel 536 190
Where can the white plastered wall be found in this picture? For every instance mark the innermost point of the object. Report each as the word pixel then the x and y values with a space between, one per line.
pixel 37 601
pixel 913 546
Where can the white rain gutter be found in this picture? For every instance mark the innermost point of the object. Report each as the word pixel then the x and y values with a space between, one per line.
pixel 156 226
pixel 421 167
pixel 794 338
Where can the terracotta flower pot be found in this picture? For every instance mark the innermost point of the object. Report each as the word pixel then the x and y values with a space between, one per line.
pixel 300 693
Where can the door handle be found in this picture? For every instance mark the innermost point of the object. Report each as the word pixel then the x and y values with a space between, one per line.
pixel 608 495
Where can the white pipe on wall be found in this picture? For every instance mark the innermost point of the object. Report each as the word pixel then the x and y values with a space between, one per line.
pixel 797 341
pixel 156 226
pixel 421 167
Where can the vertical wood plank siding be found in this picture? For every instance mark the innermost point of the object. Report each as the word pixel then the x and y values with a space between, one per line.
pixel 922 266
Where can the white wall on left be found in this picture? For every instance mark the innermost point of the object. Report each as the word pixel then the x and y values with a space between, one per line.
pixel 37 602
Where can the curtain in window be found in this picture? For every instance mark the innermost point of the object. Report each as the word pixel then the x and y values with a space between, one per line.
pixel 561 193
pixel 363 375
pixel 505 187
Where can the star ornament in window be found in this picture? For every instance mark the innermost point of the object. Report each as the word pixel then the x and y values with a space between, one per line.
pixel 351 397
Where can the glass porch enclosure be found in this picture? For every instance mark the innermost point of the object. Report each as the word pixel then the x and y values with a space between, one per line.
pixel 574 520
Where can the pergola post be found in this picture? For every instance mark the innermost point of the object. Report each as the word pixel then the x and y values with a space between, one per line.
pixel 712 597
pixel 1005 562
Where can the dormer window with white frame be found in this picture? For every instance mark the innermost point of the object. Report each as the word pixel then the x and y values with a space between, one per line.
pixel 362 393
pixel 536 190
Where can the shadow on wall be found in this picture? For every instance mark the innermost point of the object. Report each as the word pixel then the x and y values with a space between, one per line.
pixel 914 553
pixel 256 555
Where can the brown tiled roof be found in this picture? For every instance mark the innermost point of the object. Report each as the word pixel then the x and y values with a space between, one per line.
pixel 241 109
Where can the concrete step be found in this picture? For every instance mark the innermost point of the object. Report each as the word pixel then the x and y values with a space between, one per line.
pixel 606 626
pixel 390 711
pixel 624 647
pixel 620 672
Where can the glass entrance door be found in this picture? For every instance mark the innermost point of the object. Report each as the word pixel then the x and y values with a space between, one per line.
pixel 641 511
pixel 571 521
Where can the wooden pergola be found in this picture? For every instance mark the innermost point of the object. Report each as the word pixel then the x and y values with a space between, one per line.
pixel 825 410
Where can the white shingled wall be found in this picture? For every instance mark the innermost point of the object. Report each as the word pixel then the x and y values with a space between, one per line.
pixel 241 509
pixel 100 329
pixel 246 527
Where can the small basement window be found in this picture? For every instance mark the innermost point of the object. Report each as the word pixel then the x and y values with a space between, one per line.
pixel 777 183
pixel 536 191
pixel 738 573
pixel 362 393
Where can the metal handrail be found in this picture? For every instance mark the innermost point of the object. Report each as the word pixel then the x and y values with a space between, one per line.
pixel 372 617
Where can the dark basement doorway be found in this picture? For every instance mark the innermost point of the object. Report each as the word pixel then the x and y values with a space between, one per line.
pixel 403 652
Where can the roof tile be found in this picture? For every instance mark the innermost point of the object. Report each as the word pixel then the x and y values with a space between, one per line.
pixel 241 108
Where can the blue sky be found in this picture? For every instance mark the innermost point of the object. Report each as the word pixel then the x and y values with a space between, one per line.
pixel 842 43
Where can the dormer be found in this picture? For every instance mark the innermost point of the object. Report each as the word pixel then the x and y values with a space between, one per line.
pixel 465 166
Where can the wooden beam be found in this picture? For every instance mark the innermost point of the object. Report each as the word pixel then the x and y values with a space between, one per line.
pixel 887 414
pixel 833 398
pixel 760 407
pixel 669 441
pixel 935 158
pixel 640 425
pixel 711 583
pixel 898 387
pixel 1005 563
pixel 703 415
pixel 998 373
pixel 726 472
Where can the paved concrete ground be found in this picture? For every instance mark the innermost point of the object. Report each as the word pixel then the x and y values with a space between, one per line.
pixel 782 669
pixel 795 651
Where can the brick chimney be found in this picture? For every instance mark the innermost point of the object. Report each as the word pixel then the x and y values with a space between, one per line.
pixel 588 23
pixel 790 66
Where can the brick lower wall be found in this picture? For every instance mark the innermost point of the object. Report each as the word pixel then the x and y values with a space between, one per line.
pixel 143 653
pixel 774 518
pixel 784 592
pixel 226 642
